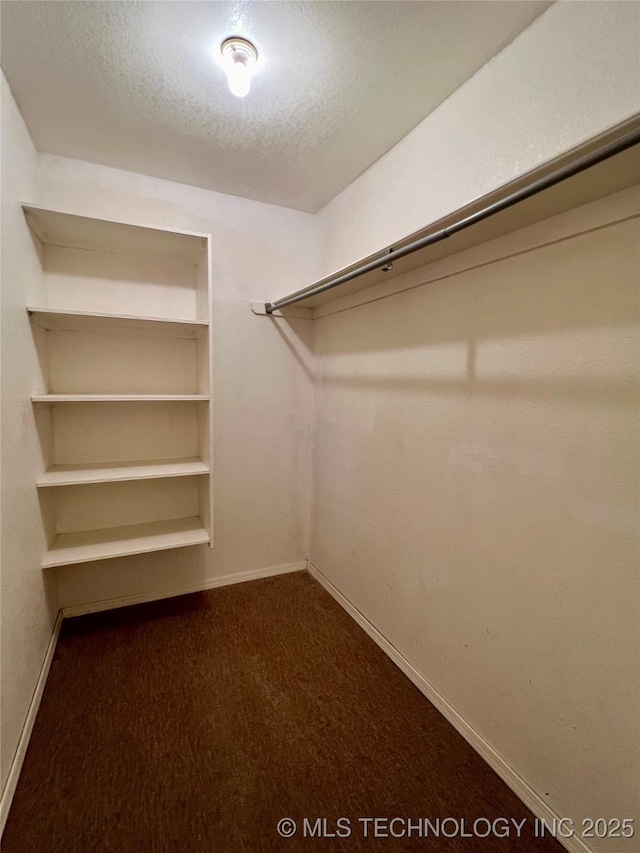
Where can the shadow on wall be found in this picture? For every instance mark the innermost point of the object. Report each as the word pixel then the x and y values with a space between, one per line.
pixel 298 336
pixel 554 323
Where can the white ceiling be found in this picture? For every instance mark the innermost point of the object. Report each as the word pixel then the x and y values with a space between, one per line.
pixel 134 84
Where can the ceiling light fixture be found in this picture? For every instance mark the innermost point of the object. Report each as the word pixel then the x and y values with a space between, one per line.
pixel 239 57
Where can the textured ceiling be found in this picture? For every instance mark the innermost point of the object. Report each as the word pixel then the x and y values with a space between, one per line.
pixel 134 84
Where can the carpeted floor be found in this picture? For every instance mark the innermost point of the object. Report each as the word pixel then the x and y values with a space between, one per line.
pixel 195 724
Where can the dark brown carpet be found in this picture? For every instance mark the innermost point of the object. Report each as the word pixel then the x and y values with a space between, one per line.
pixel 195 724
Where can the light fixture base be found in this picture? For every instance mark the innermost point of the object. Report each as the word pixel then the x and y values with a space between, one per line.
pixel 236 49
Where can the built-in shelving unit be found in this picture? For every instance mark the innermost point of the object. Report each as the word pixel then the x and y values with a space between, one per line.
pixel 122 400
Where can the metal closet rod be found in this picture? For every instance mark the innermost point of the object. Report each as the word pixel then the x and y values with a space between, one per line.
pixel 630 139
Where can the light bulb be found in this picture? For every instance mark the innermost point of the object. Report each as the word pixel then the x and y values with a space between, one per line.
pixel 239 57
pixel 238 78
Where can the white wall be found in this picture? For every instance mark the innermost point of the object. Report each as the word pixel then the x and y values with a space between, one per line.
pixel 262 385
pixel 475 454
pixel 476 492
pixel 29 601
pixel 574 73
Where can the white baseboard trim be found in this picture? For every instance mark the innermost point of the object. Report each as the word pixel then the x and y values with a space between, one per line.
pixel 508 775
pixel 171 592
pixel 25 735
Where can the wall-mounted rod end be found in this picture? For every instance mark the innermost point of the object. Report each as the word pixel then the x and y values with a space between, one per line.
pixel 268 307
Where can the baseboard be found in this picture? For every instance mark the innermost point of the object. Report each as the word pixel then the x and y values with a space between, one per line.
pixel 25 735
pixel 171 592
pixel 508 775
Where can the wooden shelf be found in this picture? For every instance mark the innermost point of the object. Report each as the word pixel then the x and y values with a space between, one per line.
pixel 118 398
pixel 59 228
pixel 58 319
pixel 75 475
pixel 610 176
pixel 90 545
